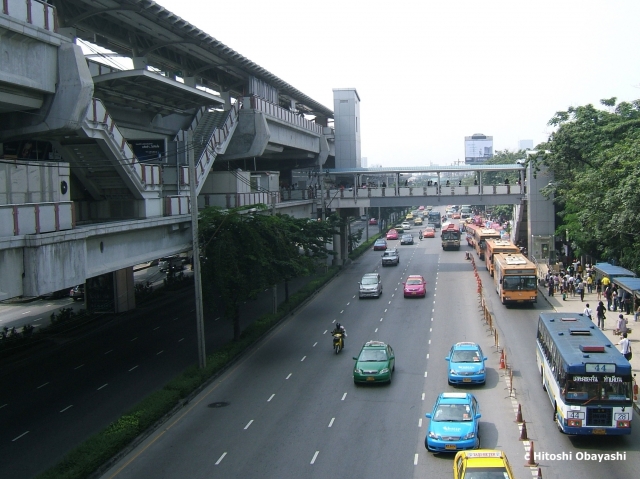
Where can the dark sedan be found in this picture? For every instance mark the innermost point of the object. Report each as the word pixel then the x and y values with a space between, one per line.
pixel 406 239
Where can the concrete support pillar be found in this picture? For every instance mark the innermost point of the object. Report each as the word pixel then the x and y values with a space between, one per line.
pixel 190 81
pixel 140 63
pixel 226 96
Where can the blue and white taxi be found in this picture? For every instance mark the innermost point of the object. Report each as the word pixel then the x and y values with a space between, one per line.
pixel 454 423
pixel 466 364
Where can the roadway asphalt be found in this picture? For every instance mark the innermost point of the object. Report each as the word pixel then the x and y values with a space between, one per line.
pixel 290 409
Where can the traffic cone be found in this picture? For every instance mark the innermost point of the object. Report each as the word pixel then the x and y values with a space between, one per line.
pixel 519 415
pixel 523 432
pixel 502 365
pixel 531 462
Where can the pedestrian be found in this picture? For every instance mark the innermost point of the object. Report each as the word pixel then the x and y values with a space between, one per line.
pixel 580 290
pixel 589 284
pixel 600 314
pixel 607 296
pixel 551 286
pixel 614 298
pixel 599 289
pixel 636 314
pixel 621 325
pixel 588 312
pixel 626 302
pixel 625 347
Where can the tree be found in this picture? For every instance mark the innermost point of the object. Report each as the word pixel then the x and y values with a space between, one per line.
pixel 248 251
pixel 594 157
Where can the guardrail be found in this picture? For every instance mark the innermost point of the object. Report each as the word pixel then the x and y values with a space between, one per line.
pixel 233 200
pixel 146 174
pixel 36 218
pixel 283 114
pixel 34 12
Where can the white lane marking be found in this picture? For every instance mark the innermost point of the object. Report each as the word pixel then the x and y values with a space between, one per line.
pixel 303 358
pixel 110 351
pixel 26 312
pixel 37 320
pixel 288 376
pixel 427 355
pixel 314 344
pixel 42 385
pixel 390 301
pixel 156 328
pixel 3 406
pixel 420 422
pixel 314 457
pixel 342 311
pixel 16 438
pixel 381 319
pixel 429 341
pixel 159 352
pixel 385 310
pixel 349 302
pixel 103 386
pixel 134 339
pixel 68 407
pixel 78 367
pixel 343 396
pixel 325 331
pixel 333 321
pixel 415 460
pixel 270 398
pixel 216 320
pixel 221 458
pixel 133 368
pixel 376 330
pixel 331 422
pixel 425 374
pixel 423 396
pixel 181 339
pixel 430 330
pixel 431 319
pixel 248 424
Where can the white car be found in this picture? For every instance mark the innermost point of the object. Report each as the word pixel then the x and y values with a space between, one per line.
pixel 406 225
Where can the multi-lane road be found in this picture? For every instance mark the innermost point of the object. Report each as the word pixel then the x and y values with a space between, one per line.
pixel 289 408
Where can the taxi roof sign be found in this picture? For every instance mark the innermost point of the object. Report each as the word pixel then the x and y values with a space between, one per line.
pixel 475 454
pixel 454 395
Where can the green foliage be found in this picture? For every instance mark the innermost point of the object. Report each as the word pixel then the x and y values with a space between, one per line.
pixel 504 157
pixel 594 157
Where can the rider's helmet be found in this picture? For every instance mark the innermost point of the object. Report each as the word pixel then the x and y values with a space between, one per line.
pixel 338 326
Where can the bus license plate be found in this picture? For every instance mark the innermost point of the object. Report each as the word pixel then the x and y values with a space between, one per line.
pixel 450 446
pixel 599 431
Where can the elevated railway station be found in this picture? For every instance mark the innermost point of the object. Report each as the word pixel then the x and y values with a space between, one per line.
pixel 101 106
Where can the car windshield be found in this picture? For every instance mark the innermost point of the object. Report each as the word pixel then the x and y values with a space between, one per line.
pixel 368 280
pixel 380 242
pixel 486 473
pixel 390 253
pixel 465 356
pixel 414 281
pixel 453 412
pixel 373 355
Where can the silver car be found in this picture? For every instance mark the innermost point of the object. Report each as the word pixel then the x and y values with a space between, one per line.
pixel 370 286
pixel 391 257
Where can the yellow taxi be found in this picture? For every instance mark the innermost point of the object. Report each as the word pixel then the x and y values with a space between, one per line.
pixel 482 463
pixel 409 216
pixel 417 221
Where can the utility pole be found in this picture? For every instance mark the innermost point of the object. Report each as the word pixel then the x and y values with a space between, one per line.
pixel 202 358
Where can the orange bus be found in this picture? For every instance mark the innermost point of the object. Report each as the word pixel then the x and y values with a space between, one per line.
pixel 497 246
pixel 480 237
pixel 450 235
pixel 515 278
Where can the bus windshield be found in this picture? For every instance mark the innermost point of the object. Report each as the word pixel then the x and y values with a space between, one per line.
pixel 519 283
pixel 581 389
pixel 450 235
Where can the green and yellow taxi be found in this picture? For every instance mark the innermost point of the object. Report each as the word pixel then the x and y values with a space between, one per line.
pixel 375 363
pixel 482 464
pixel 409 216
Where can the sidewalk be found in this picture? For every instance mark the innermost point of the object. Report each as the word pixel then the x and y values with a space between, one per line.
pixel 574 305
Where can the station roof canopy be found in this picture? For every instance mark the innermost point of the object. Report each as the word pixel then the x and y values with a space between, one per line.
pixel 142 28
pixel 150 91
pixel 607 269
pixel 630 284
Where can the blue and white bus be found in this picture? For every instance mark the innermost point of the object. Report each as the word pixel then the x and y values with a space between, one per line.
pixel 588 380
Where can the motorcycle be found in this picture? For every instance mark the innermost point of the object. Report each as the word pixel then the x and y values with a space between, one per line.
pixel 338 342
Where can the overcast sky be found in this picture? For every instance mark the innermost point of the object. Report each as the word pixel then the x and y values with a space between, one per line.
pixel 430 72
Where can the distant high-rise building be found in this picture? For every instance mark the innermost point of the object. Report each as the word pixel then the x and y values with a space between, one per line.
pixel 478 148
pixel 525 145
pixel 363 162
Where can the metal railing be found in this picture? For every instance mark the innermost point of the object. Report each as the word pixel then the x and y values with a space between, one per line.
pixel 34 12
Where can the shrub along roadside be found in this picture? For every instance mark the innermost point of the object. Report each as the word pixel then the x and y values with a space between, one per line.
pixel 104 448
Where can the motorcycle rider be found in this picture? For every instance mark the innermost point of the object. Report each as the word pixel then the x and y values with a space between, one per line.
pixel 339 329
pixel 420 235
